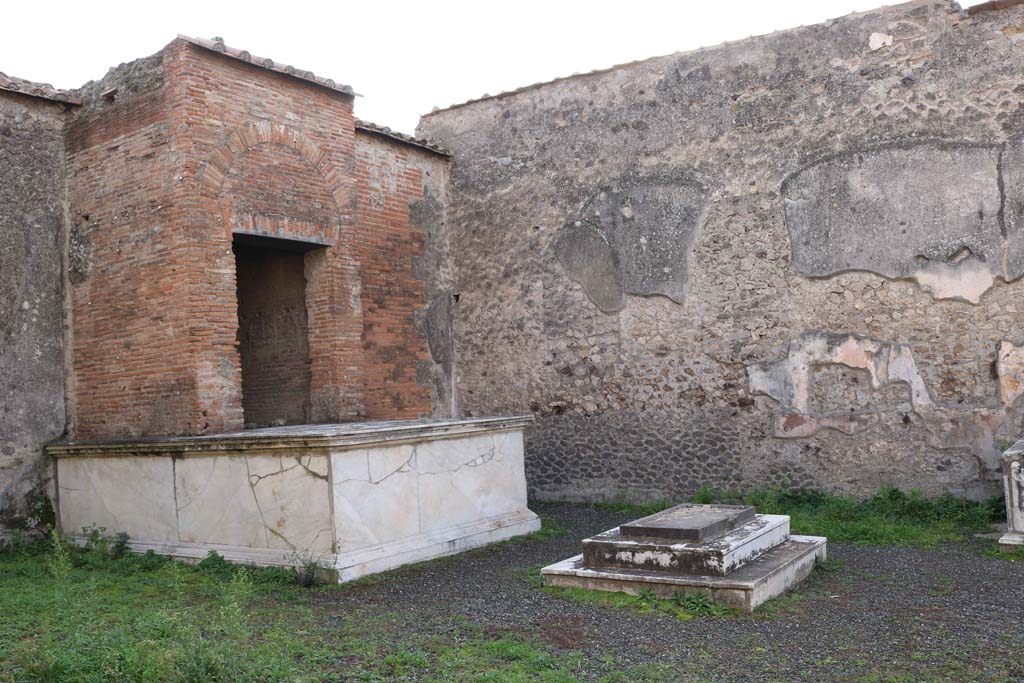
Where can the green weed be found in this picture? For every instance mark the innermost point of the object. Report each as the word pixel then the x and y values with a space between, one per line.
pixel 890 517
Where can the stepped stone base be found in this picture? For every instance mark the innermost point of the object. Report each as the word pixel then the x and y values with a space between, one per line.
pixel 717 556
pixel 745 588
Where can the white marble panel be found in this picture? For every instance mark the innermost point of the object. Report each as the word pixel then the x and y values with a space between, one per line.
pixel 375 495
pixel 130 495
pixel 463 480
pixel 1013 483
pixel 261 501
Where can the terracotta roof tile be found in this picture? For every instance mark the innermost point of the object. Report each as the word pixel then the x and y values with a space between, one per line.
pixel 43 90
pixel 384 131
pixel 269 64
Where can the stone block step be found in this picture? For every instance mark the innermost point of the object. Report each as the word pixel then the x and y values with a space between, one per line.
pixel 751 585
pixel 716 557
pixel 689 522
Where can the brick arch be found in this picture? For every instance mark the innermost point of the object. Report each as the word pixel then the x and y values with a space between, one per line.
pixel 333 293
pixel 215 173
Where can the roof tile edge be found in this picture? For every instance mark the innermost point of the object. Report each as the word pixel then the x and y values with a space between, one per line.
pixel 384 131
pixel 952 6
pixel 43 91
pixel 245 56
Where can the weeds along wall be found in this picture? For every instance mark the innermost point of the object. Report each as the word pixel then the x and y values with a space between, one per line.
pixel 793 260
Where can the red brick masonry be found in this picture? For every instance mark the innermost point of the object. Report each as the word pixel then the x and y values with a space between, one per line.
pixel 163 174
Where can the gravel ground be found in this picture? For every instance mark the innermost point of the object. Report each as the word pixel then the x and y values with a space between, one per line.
pixel 880 614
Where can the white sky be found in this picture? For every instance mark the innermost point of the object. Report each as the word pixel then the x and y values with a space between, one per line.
pixel 404 57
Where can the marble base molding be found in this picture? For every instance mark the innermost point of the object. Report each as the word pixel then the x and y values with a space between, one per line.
pixel 356 498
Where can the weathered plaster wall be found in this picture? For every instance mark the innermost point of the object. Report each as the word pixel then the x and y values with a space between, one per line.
pixel 32 219
pixel 792 260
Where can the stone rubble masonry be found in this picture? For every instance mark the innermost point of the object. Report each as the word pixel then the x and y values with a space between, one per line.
pixel 32 233
pixel 164 160
pixel 792 260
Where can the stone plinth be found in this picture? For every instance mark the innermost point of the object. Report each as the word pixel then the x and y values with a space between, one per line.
pixel 717 556
pixel 742 559
pixel 689 522
pixel 1013 484
pixel 359 498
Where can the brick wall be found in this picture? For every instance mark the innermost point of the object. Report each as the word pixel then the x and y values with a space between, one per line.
pixel 192 149
pixel 133 351
pixel 390 178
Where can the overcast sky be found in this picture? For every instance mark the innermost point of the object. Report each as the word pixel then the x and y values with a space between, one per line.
pixel 404 57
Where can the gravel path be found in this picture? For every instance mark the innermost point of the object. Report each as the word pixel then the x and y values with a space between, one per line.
pixel 884 614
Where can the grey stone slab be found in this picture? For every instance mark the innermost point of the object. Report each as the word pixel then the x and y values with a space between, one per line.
pixel 689 522
pixel 748 587
pixel 334 436
pixel 718 556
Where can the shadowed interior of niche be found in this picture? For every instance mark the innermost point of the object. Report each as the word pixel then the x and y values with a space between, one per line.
pixel 273 331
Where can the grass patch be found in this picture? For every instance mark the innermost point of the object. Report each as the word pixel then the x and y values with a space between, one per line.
pixel 99 613
pixel 993 550
pixel 890 517
pixel 549 528
pixel 680 606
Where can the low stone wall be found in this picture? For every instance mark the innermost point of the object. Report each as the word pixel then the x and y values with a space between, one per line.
pixel 791 260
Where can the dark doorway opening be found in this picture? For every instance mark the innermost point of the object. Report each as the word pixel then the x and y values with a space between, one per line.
pixel 273 331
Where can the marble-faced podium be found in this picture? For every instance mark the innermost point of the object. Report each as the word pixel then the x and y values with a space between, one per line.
pixel 729 552
pixel 1013 485
pixel 357 498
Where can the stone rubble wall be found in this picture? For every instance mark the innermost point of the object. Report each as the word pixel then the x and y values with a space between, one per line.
pixel 792 260
pixel 32 234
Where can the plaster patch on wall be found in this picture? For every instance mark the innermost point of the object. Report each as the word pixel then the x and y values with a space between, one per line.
pixel 634 237
pixel 951 428
pixel 590 261
pixel 788 381
pixel 876 41
pixel 1010 369
pixel 931 212
pixel 796 426
pixel 966 280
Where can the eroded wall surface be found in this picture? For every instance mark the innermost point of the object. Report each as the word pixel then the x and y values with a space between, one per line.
pixel 32 219
pixel 405 278
pixel 793 260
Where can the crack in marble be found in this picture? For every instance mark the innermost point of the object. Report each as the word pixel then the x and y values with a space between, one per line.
pixel 256 499
pixel 255 479
pixel 407 466
pixel 490 455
